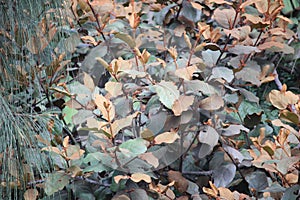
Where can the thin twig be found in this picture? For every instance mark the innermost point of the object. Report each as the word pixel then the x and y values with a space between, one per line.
pixel 97 20
pixel 232 160
pixel 187 150
pixel 200 173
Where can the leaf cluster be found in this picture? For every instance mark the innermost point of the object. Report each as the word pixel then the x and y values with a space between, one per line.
pixel 161 100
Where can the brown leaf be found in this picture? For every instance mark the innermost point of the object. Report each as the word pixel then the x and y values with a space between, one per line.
pixel 137 177
pixel 150 158
pixel 105 106
pixel 211 192
pixel 281 99
pixel 147 134
pixel 240 33
pixel 186 73
pixel 134 20
pixel 114 88
pixel 278 122
pixel 214 102
pixel 225 17
pixel 166 137
pixel 119 124
pixel 145 56
pixel 37 44
pixel 268 45
pixel 255 20
pixel 88 82
pixel 226 193
pixel 220 2
pixel 262 6
pixel 182 104
pixel 181 183
pixel 31 194
pixel 196 5
pixel 292 178
pixel 120 177
pixel 89 40
pixel 173 52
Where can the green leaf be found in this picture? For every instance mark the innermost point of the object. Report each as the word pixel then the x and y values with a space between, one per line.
pixel 55 182
pixel 246 108
pixel 135 146
pixel 68 113
pixel 200 86
pixel 167 93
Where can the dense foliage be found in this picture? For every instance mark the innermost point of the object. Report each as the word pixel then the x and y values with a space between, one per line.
pixel 150 99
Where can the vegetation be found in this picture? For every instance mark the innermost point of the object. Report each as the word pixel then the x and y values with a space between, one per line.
pixel 150 99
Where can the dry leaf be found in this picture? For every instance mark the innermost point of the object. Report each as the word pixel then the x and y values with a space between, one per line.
pixel 150 158
pixel 88 82
pixel 31 194
pixel 186 73
pixel 119 124
pixel 114 88
pixel 281 99
pixel 134 20
pixel 137 177
pixel 225 17
pixel 166 137
pixel 182 104
pixel 66 142
pixel 213 102
pixel 187 40
pixel 226 193
pixel 173 52
pixel 105 106
pixel 120 177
